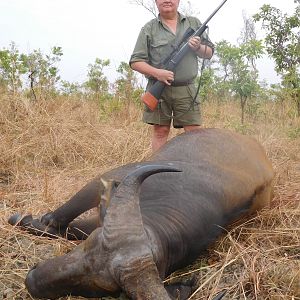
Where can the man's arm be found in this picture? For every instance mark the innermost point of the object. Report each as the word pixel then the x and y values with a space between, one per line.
pixel 144 68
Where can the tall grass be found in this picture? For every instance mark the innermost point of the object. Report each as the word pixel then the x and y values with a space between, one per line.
pixel 50 149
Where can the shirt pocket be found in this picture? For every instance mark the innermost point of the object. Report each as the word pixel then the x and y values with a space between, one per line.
pixel 159 51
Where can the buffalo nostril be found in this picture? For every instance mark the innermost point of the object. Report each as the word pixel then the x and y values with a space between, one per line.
pixel 29 281
pixel 30 276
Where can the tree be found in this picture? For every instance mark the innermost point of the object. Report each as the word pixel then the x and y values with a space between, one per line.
pixel 43 72
pixel 207 80
pixel 248 32
pixel 12 67
pixel 149 5
pixel 243 83
pixel 237 69
pixel 226 55
pixel 97 82
pixel 283 45
pixel 70 88
pixel 253 47
pixel 238 66
pixel 126 85
pixel 40 69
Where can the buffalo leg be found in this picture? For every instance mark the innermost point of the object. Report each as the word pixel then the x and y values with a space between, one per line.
pixel 87 198
pixel 34 226
pixel 82 228
pixel 56 223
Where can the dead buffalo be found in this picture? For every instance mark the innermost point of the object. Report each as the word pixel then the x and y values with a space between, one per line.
pixel 161 214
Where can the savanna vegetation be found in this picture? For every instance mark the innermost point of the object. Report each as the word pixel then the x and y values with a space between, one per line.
pixel 57 135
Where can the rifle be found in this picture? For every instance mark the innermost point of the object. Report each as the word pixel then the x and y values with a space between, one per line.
pixel 185 37
pixel 152 96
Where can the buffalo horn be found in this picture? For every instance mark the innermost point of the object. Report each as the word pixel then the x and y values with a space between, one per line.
pixel 123 231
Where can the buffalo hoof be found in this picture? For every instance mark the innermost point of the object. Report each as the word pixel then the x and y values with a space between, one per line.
pixel 20 220
pixel 33 226
pixel 181 290
pixel 49 220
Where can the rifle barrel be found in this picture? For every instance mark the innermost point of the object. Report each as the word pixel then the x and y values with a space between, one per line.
pixel 174 61
pixel 210 17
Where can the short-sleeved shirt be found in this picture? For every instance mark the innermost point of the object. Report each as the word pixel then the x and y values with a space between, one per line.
pixel 156 41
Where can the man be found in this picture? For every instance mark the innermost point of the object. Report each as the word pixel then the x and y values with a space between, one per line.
pixel 156 40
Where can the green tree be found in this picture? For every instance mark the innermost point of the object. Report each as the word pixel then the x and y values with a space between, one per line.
pixel 237 67
pixel 12 67
pixel 243 83
pixel 97 82
pixel 126 85
pixel 283 45
pixel 226 55
pixel 207 83
pixel 43 72
pixel 238 64
pixel 70 88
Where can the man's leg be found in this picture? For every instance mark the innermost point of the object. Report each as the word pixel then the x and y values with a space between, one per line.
pixel 191 127
pixel 159 136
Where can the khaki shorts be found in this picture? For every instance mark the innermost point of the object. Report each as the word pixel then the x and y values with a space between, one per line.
pixel 177 105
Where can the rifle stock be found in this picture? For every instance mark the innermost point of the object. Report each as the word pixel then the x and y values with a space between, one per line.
pixel 152 96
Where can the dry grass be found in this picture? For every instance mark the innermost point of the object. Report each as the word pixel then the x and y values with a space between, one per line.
pixel 49 150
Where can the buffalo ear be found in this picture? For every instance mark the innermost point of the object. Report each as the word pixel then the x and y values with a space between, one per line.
pixel 104 182
pixel 110 186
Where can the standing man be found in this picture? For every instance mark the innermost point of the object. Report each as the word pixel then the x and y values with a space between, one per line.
pixel 157 39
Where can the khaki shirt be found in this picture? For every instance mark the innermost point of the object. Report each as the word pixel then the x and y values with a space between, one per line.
pixel 156 41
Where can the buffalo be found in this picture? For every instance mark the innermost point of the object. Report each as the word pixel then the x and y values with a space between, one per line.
pixel 153 217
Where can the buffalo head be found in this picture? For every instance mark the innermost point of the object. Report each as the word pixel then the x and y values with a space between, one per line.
pixel 116 257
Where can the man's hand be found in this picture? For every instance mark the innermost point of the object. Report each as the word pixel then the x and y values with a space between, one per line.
pixel 165 76
pixel 195 43
pixel 201 50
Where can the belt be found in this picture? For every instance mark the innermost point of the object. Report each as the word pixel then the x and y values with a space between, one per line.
pixel 175 83
pixel 182 83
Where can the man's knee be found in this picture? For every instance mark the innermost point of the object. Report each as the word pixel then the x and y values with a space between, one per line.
pixel 161 131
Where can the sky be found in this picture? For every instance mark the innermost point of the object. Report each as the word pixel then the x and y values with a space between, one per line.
pixel 87 29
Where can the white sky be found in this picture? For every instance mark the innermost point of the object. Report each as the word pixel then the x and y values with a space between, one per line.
pixel 108 29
